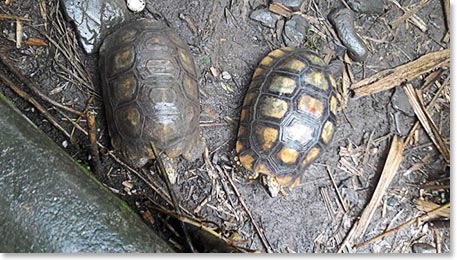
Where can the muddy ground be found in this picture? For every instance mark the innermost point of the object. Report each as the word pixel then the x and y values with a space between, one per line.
pixel 311 218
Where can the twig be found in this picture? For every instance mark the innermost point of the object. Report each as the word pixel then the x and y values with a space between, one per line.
pixel 390 78
pixel 390 168
pixel 409 222
pixel 240 198
pixel 95 157
pixel 14 17
pixel 174 199
pixel 340 198
pixel 427 123
pixel 35 103
pixel 26 82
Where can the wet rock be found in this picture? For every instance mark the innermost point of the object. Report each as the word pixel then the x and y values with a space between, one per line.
pixel 94 19
pixel 401 103
pixel 367 6
pixel 295 31
pixel 265 17
pixel 343 21
pixel 50 204
pixel 423 248
pixel 293 4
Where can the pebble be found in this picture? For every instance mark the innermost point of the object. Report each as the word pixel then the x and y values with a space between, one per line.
pixel 136 5
pixel 289 3
pixel 265 17
pixel 423 248
pixel 401 103
pixel 226 75
pixel 367 6
pixel 295 31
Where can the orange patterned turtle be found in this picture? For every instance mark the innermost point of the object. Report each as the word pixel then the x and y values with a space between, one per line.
pixel 288 117
pixel 150 93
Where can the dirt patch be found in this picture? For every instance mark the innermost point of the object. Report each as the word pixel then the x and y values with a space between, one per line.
pixel 227 46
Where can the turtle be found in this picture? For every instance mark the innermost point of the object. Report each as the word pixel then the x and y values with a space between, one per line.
pixel 150 93
pixel 288 117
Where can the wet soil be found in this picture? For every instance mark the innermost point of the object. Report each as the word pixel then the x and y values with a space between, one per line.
pixel 310 218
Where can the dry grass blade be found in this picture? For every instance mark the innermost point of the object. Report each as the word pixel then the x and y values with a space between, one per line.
pixel 14 17
pixel 390 168
pixel 411 16
pixel 409 222
pixel 391 78
pixel 427 123
pixel 428 206
pixel 280 9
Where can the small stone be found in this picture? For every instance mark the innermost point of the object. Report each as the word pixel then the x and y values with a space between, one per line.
pixel 391 202
pixel 293 4
pixel 423 248
pixel 95 19
pixel 265 17
pixel 295 31
pixel 136 5
pixel 401 103
pixel 65 144
pixel 226 75
pixel 367 6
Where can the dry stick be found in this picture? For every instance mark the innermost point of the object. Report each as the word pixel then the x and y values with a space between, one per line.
pixel 340 197
pixel 29 84
pixel 199 224
pixel 409 222
pixel 14 17
pixel 174 199
pixel 428 205
pixel 35 103
pixel 96 164
pixel 240 198
pixel 427 123
pixel 390 168
pixel 429 110
pixel 391 78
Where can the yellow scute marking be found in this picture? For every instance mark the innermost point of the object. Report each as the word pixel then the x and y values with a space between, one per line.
pixel 266 61
pixel 288 155
pixel 311 106
pixel 327 132
pixel 239 146
pixel 312 154
pixel 262 168
pixel 276 53
pixel 133 116
pixel 267 136
pixel 333 104
pixel 257 72
pixel 125 88
pixel 293 64
pixel 247 160
pixel 317 79
pixel 282 85
pixel 273 107
pixel 284 181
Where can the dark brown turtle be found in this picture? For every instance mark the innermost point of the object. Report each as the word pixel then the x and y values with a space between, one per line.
pixel 150 92
pixel 288 117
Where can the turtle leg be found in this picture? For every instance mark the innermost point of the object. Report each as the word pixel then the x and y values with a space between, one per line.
pixel 168 166
pixel 195 149
pixel 139 162
pixel 272 185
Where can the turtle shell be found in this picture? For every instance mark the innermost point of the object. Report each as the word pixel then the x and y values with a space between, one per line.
pixel 150 90
pixel 288 115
